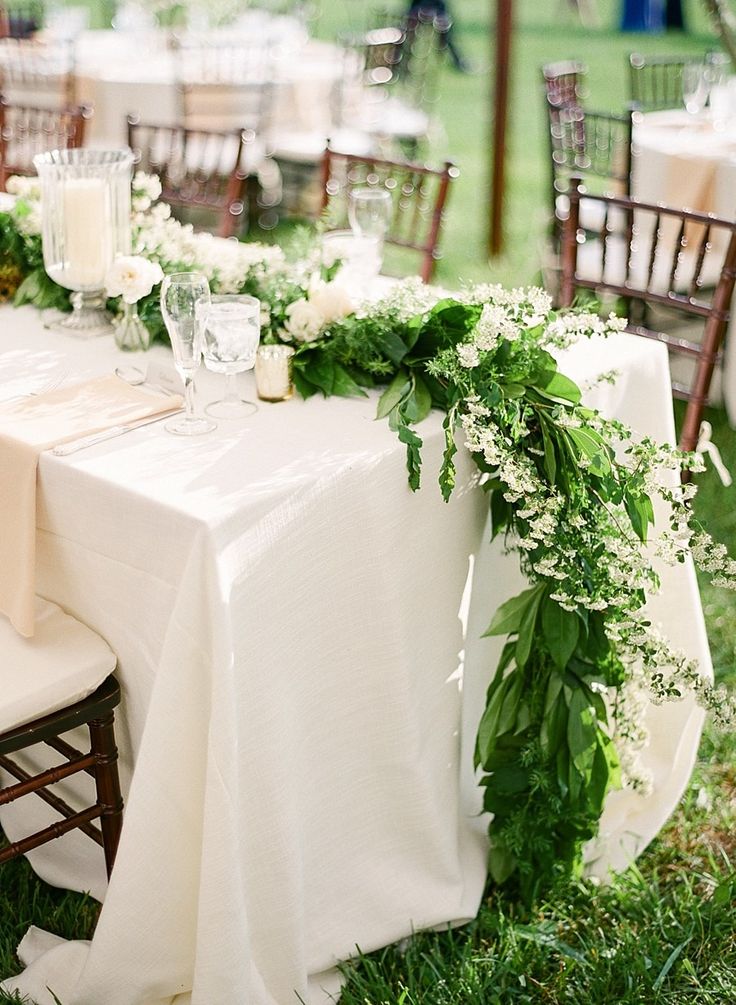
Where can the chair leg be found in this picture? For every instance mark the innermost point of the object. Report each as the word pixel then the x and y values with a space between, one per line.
pixel 107 784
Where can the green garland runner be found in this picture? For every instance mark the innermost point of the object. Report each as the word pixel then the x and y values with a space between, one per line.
pixel 558 731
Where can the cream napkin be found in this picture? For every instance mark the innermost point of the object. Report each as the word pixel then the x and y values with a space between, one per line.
pixel 30 426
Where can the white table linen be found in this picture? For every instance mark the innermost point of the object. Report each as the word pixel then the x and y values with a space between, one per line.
pixel 284 613
pixel 123 73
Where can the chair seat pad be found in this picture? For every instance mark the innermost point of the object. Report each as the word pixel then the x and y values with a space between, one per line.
pixel 64 662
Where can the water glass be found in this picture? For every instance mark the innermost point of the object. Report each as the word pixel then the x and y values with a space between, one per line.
pixel 231 333
pixel 185 298
pixel 695 87
pixel 369 211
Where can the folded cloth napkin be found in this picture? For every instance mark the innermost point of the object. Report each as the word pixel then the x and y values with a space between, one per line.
pixel 26 428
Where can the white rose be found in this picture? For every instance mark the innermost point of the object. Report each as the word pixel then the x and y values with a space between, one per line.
pixel 332 301
pixel 304 321
pixel 132 277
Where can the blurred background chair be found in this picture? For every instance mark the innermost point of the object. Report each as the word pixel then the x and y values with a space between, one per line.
pixel 26 131
pixel 655 82
pixel 679 263
pixel 564 82
pixel 38 73
pixel 201 172
pixel 418 196
pixel 20 21
pixel 596 146
pixel 57 681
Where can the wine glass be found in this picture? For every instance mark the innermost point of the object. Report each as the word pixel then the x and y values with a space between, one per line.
pixel 369 213
pixel 185 297
pixel 695 87
pixel 231 332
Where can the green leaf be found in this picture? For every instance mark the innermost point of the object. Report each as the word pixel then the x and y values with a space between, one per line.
pixel 344 385
pixel 561 630
pixel 550 462
pixel 507 618
pixel 487 729
pixel 561 388
pixel 582 733
pixel 447 470
pixel 393 395
pixel 669 963
pixel 510 778
pixel 527 626
pixel 501 863
pixel 510 708
pixel 554 727
pixel 413 454
pixel 392 346
pixel 418 403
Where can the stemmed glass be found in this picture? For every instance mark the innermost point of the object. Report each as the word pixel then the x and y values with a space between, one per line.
pixel 185 297
pixel 231 332
pixel 695 86
pixel 369 213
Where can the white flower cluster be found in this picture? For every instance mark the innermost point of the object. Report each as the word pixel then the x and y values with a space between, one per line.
pixel 324 304
pixel 403 301
pixel 528 307
pixel 567 329
pixel 26 211
pixel 132 277
pixel 176 247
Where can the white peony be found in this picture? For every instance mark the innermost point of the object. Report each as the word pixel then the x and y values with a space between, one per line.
pixel 132 277
pixel 332 301
pixel 304 321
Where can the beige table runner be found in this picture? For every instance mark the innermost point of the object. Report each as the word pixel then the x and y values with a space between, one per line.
pixel 29 426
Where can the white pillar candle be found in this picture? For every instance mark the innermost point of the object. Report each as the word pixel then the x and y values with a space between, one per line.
pixel 87 247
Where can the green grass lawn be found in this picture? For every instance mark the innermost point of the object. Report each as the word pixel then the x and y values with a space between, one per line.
pixel 664 932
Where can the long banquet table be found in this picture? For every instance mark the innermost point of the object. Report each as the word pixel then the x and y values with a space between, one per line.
pixel 297 726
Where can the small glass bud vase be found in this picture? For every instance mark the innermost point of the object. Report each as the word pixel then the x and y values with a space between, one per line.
pixel 273 372
pixel 130 332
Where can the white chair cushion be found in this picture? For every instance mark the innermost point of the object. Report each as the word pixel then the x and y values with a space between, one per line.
pixel 63 663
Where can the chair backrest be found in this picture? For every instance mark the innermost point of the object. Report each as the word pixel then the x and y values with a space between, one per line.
pixel 26 131
pixel 655 82
pixel 681 264
pixel 223 87
pixel 563 82
pixel 418 196
pixel 593 145
pixel 38 73
pixel 200 171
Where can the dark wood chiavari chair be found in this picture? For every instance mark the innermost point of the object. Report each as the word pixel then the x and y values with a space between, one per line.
pixel 57 681
pixel 679 263
pixel 596 146
pixel 418 196
pixel 201 171
pixel 655 82
pixel 26 131
pixel 38 73
pixel 563 82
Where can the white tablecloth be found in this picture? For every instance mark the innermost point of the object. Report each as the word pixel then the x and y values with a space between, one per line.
pixel 687 162
pixel 296 749
pixel 120 73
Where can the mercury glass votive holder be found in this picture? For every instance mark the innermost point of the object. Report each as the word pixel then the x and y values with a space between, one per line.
pixel 85 223
pixel 273 372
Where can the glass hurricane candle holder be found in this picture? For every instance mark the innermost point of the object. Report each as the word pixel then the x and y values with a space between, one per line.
pixel 85 223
